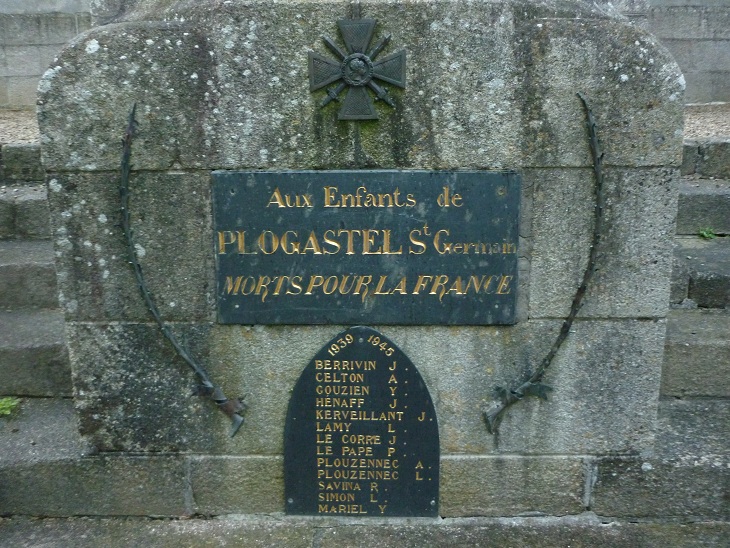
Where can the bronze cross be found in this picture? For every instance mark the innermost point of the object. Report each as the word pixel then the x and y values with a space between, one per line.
pixel 357 69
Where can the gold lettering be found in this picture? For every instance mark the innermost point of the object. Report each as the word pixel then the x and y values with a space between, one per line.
pixel 446 200
pixel 276 199
pixel 285 242
pixel 314 281
pixel 273 241
pixel 503 288
pixel 421 283
pixel 241 236
pixel 329 198
pixel 350 239
pixel 362 284
pixel 329 241
pixel 386 244
pixel 232 287
pixel 437 242
pixel 262 287
pixel 223 242
pixel 368 239
pixel 439 286
pixel 379 288
pixel 421 247
pixel 312 244
pixel 400 287
pixel 295 285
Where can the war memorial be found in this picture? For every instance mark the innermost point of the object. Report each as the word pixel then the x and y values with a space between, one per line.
pixel 355 273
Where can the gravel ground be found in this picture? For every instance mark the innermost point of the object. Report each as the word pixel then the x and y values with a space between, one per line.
pixel 700 122
pixel 18 126
pixel 709 120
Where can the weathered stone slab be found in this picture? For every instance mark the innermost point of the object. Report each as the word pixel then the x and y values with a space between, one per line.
pixel 462 109
pixel 634 261
pixel 237 485
pixel 21 163
pixel 694 432
pixel 40 430
pixel 490 86
pixel 714 160
pixel 27 274
pixel 33 356
pixel 490 486
pixel 586 531
pixel 96 486
pixel 170 217
pixel 24 212
pixel 124 406
pixel 659 488
pixel 133 392
pixel 697 354
pixel 511 486
pixel 703 203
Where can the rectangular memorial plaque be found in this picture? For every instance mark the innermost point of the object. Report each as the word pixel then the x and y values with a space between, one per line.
pixel 378 247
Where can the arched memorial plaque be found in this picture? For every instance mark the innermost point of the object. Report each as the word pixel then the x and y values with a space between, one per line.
pixel 361 436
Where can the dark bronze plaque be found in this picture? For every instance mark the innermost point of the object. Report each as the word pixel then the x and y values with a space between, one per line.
pixel 349 247
pixel 361 437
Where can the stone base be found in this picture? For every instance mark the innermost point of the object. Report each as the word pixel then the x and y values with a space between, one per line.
pixel 580 531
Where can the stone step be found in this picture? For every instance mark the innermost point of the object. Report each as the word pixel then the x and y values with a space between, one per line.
pixel 40 430
pixel 33 355
pixel 27 274
pixel 701 272
pixel 24 212
pixel 697 354
pixel 585 530
pixel 688 477
pixel 20 163
pixel 703 203
pixel 707 158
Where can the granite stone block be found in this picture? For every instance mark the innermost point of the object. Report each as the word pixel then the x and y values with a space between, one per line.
pixel 658 488
pixel 714 158
pixel 122 403
pixel 237 485
pixel 21 91
pixel 170 220
pixel 703 203
pixel 511 486
pixel 33 356
pixel 95 486
pixel 113 70
pixel 21 162
pixel 697 354
pixel 634 254
pixel 513 105
pixel 539 532
pixel 133 393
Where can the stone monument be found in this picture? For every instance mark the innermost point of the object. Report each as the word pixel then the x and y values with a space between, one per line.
pixel 434 113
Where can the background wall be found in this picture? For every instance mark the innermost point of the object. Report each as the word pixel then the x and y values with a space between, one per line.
pixel 697 33
pixel 32 32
